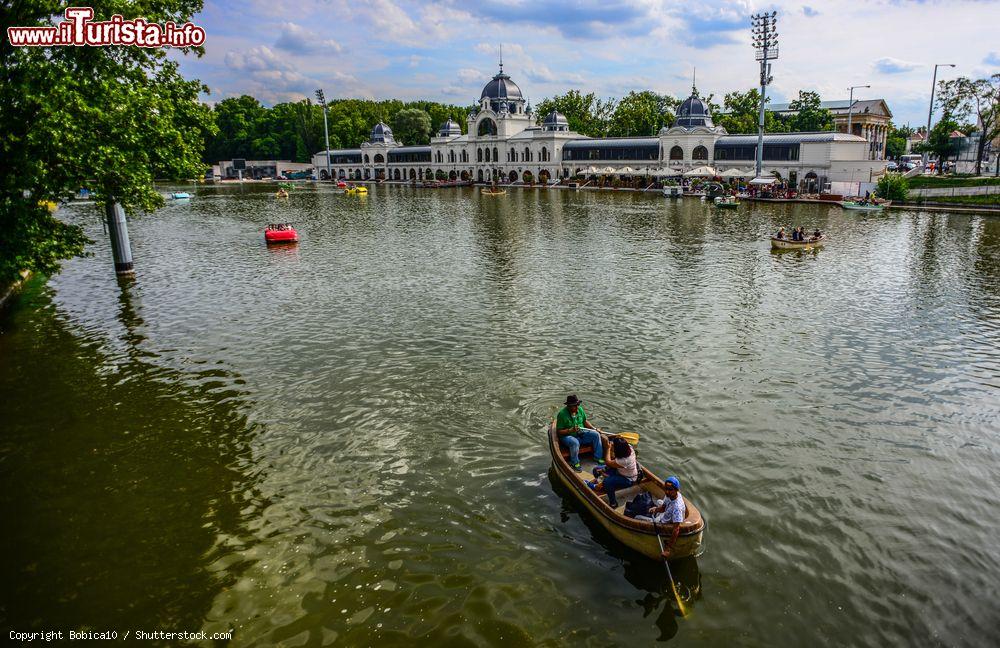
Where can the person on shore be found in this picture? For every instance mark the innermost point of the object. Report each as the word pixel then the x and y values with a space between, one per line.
pixel 671 510
pixel 622 469
pixel 574 429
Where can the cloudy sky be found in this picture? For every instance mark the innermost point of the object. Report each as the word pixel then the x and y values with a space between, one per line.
pixel 445 50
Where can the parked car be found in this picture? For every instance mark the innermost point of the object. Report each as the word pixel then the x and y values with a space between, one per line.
pixel 892 166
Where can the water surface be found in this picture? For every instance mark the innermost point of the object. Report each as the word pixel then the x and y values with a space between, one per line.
pixel 341 442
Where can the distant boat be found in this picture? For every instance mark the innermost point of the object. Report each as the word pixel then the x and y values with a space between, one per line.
pixel 788 244
pixel 497 192
pixel 180 195
pixel 357 191
pixel 856 206
pixel 727 203
pixel 280 233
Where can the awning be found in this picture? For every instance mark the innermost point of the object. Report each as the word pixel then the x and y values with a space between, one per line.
pixel 764 181
pixel 701 172
pixel 735 173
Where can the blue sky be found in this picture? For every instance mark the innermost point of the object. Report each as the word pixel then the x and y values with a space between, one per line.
pixel 445 50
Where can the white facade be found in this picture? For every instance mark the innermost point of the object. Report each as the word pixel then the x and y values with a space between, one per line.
pixel 503 143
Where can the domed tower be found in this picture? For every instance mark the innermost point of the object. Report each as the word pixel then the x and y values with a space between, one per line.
pixel 501 95
pixel 382 134
pixel 449 129
pixel 694 112
pixel 555 121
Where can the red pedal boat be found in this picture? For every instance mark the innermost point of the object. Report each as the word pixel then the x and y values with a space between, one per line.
pixel 281 233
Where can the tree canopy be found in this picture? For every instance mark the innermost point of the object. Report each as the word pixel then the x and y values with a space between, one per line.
pixel 979 99
pixel 412 126
pixel 641 114
pixel 586 113
pixel 809 116
pixel 741 114
pixel 110 119
pixel 294 131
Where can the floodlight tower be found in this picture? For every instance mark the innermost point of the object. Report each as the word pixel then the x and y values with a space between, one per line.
pixel 765 44
pixel 321 99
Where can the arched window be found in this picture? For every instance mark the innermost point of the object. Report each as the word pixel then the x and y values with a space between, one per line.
pixel 699 153
pixel 545 154
pixel 527 154
pixel 479 155
pixel 513 156
pixel 677 153
pixel 465 155
pixel 379 159
pixel 366 158
pixel 487 155
pixel 496 155
pixel 451 156
pixel 487 127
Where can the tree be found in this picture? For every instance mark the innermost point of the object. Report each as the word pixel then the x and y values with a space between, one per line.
pixel 964 97
pixel 892 186
pixel 110 119
pixel 412 126
pixel 895 140
pixel 641 114
pixel 585 113
pixel 809 116
pixel 742 114
pixel 941 143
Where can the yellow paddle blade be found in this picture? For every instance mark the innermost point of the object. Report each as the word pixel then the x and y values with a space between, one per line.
pixel 631 437
pixel 681 605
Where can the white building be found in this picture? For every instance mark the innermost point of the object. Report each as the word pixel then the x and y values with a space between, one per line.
pixel 505 143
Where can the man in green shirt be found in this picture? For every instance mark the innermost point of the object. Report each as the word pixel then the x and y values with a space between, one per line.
pixel 573 429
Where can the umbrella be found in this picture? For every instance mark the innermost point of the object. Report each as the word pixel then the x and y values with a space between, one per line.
pixel 668 172
pixel 701 172
pixel 735 173
pixel 627 171
pixel 608 170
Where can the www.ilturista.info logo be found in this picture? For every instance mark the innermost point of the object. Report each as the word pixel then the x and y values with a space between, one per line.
pixel 78 29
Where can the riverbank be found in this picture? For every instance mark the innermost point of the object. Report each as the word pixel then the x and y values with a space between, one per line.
pixel 7 292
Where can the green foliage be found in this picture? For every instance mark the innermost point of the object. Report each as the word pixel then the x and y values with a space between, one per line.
pixel 642 113
pixel 892 186
pixel 895 140
pixel 585 113
pixel 809 117
pixel 980 99
pixel 742 114
pixel 110 119
pixel 294 131
pixel 412 126
pixel 940 143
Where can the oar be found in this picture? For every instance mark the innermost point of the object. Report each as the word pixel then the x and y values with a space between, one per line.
pixel 673 586
pixel 631 437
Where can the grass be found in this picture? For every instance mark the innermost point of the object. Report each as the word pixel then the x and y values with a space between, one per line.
pixel 921 182
pixel 992 200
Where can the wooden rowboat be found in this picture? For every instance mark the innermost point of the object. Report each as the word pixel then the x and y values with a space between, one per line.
pixel 494 193
pixel 727 203
pixel 638 535
pixel 856 206
pixel 786 244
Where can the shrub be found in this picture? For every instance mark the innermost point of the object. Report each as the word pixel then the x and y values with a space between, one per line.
pixel 892 186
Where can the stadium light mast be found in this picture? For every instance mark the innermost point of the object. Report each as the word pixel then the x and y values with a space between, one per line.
pixel 765 44
pixel 321 100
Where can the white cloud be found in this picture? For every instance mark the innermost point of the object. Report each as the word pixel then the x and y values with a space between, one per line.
pixel 297 39
pixel 470 75
pixel 890 65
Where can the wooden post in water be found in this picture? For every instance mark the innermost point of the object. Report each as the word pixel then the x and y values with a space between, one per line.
pixel 121 248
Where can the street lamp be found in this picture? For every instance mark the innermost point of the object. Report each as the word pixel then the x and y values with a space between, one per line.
pixel 321 100
pixel 765 42
pixel 930 111
pixel 850 107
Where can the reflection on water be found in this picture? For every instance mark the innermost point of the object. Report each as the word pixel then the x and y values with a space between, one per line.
pixel 340 442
